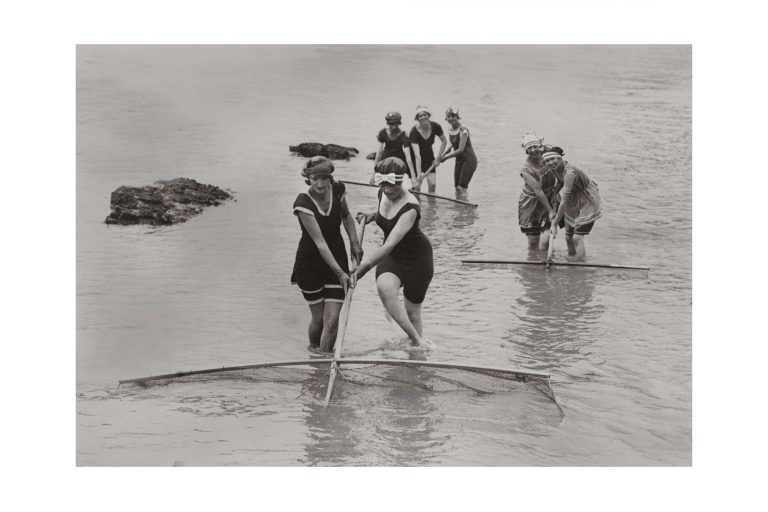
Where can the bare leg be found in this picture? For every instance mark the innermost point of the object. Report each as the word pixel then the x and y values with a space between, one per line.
pixel 315 329
pixel 579 247
pixel 533 242
pixel 431 179
pixel 330 325
pixel 461 193
pixel 388 285
pixel 544 242
pixel 414 314
pixel 571 246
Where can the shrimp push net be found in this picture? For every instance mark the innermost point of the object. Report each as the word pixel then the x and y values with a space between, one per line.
pixel 425 375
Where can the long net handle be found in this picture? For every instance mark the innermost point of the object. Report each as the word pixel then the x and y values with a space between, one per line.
pixel 342 329
pixel 551 247
pixel 459 201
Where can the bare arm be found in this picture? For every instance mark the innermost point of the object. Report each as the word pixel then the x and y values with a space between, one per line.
pixel 355 248
pixel 404 224
pixel 417 154
pixel 443 142
pixel 536 187
pixel 313 228
pixel 462 144
pixel 408 161
pixel 565 193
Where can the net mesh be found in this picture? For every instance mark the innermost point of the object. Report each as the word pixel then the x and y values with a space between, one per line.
pixel 409 374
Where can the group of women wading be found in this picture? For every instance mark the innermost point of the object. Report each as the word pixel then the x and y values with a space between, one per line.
pixel 415 149
pixel 555 193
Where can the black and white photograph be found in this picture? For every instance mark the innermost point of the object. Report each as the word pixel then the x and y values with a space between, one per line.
pixel 384 255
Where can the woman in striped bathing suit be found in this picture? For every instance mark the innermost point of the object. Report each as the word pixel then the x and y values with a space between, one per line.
pixel 320 269
pixel 539 197
pixel 580 204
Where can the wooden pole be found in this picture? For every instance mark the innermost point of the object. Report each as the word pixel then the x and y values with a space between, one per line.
pixel 459 201
pixel 343 318
pixel 558 263
pixel 551 247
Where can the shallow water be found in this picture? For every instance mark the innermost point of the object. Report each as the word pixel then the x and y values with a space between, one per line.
pixel 215 291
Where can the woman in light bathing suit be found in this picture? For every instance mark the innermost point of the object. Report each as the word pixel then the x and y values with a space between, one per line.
pixel 320 269
pixel 539 197
pixel 422 138
pixel 405 258
pixel 461 149
pixel 393 142
pixel 580 204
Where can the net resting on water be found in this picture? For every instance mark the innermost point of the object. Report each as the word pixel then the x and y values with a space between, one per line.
pixel 324 373
pixel 424 375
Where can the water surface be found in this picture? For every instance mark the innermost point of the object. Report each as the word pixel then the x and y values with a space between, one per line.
pixel 215 291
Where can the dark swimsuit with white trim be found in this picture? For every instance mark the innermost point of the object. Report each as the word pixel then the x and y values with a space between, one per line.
pixel 411 259
pixel 310 271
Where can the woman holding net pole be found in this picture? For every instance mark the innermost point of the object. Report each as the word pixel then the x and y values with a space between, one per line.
pixel 320 269
pixel 405 259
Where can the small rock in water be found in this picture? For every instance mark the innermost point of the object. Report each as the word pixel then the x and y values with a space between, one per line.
pixel 163 203
pixel 332 151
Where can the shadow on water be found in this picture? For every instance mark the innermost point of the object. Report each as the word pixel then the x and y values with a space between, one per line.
pixel 555 315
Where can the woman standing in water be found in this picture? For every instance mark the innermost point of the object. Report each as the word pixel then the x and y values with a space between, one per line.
pixel 580 204
pixel 394 143
pixel 422 138
pixel 320 269
pixel 539 197
pixel 461 149
pixel 405 258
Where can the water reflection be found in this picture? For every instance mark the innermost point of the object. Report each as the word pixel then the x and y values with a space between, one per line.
pixel 556 314
pixel 332 440
pixel 387 420
pixel 405 427
pixel 450 226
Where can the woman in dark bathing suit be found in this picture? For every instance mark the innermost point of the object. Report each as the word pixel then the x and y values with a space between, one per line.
pixel 405 258
pixel 422 138
pixel 393 142
pixel 320 268
pixel 461 149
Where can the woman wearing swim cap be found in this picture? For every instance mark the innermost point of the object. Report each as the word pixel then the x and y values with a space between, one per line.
pixel 320 268
pixel 405 258
pixel 422 137
pixel 580 204
pixel 394 143
pixel 539 197
pixel 461 150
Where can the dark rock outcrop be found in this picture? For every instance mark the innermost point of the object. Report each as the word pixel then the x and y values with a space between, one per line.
pixel 332 151
pixel 164 202
pixel 371 156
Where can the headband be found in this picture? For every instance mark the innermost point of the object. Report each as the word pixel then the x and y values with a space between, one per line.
pixel 391 178
pixel 549 154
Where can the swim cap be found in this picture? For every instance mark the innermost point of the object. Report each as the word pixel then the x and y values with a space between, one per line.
pixel 531 139
pixel 553 151
pixel 390 165
pixel 393 117
pixel 317 166
pixel 421 109
pixel 452 110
